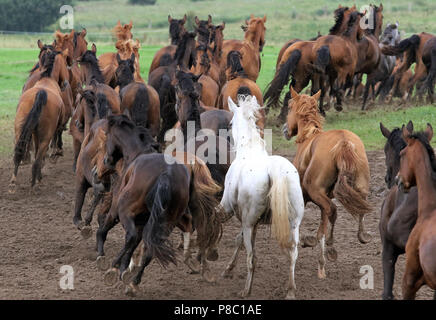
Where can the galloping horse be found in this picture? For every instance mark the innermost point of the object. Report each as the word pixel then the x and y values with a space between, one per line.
pixel 41 115
pixel 331 164
pixel 398 212
pixel 417 168
pixel 177 30
pixel 250 47
pixel 261 188
pixel 140 100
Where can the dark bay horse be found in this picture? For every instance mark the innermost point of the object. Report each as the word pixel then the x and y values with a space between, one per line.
pixel 165 55
pixel 41 116
pixel 398 211
pixel 140 100
pixel 417 168
pixel 331 164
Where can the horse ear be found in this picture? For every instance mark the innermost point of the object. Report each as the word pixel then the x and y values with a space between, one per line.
pixel 83 33
pixel 93 48
pixel 118 59
pixel 185 17
pixel 72 34
pixel 222 26
pixel 397 24
pixel 209 19
pixel 246 22
pixel 40 44
pixel 406 133
pixel 381 7
pixel 429 132
pixel 232 106
pixel 197 21
pixel 130 24
pixel 317 95
pixel 132 59
pixel 294 94
pixel 169 18
pixel 353 7
pixel 251 16
pixel 385 131
pixel 264 18
pixel 410 126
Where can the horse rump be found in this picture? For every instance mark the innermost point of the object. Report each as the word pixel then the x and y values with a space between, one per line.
pixel 322 59
pixel 29 127
pixel 156 231
pixel 281 78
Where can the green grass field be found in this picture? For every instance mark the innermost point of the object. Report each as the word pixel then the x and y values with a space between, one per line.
pixel 286 19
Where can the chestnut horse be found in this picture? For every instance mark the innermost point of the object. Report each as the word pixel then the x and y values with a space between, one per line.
pixel 398 212
pixel 41 115
pixel 250 47
pixel 331 164
pixel 140 100
pixel 177 30
pixel 417 168
pixel 412 49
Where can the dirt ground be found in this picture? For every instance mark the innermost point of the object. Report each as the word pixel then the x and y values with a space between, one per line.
pixel 37 237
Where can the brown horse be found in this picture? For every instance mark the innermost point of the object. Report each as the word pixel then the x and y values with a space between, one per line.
pixel 165 55
pixel 239 83
pixel 154 195
pixel 417 168
pixel 331 164
pixel 141 101
pixel 412 49
pixel 41 115
pixel 296 61
pixel 250 47
pixel 337 57
pixel 398 212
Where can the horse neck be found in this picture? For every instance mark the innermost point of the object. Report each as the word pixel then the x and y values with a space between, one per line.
pixel 194 117
pixel 126 81
pixel 253 37
pixel 253 147
pixel 352 36
pixel 131 149
pixel 426 186
pixel 307 134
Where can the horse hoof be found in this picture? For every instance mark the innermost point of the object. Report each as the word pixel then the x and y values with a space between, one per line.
pixel 208 277
pixel 127 276
pixel 212 255
pixel 80 225
pixel 103 263
pixel 364 237
pixel 321 274
pixel 290 296
pixel 244 293
pixel 329 241
pixel 193 265
pixel 227 274
pixel 86 232
pixel 131 290
pixel 111 276
pixel 332 254
pixel 12 188
pixel 338 108
pixel 309 241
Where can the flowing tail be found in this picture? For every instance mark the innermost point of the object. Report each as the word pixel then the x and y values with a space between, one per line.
pixel 345 190
pixel 29 127
pixel 281 78
pixel 322 59
pixel 281 207
pixel 409 44
pixel 156 231
pixel 140 107
pixel 432 72
pixel 206 214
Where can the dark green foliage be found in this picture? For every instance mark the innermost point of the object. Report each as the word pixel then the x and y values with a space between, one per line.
pixel 142 2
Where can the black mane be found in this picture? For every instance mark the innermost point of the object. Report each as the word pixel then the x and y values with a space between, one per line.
pixel 396 140
pixel 422 137
pixel 234 62
pixel 90 58
pixel 339 17
pixel 351 23
pixel 48 63
pixel 175 31
pixel 182 47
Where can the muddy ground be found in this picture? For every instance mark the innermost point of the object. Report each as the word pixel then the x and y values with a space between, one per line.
pixel 37 237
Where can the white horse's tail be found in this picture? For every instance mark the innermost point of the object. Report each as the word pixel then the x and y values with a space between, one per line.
pixel 281 207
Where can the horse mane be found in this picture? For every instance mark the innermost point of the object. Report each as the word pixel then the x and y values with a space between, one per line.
pixel 186 85
pixel 182 47
pixel 175 31
pixel 396 140
pixel 48 63
pixel 421 136
pixel 119 32
pixel 307 111
pixel 234 63
pixel 203 31
pixel 339 17
pixel 90 58
pixel 205 61
pixel 351 23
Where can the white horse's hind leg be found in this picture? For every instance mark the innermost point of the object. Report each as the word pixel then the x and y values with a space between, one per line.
pixel 187 258
pixel 321 260
pixel 293 255
pixel 249 234
pixel 228 271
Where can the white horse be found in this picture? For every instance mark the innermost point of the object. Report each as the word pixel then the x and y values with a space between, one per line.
pixel 258 184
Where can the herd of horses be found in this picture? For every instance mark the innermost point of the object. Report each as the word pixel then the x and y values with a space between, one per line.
pixel 118 122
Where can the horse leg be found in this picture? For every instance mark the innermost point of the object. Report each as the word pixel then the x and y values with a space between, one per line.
pixel 285 108
pixel 293 255
pixel 39 162
pixel 389 258
pixel 82 187
pixel 132 288
pixel 231 265
pixel 187 257
pixel 76 150
pixel 413 277
pixel 249 235
pixel 109 222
